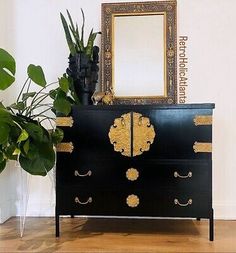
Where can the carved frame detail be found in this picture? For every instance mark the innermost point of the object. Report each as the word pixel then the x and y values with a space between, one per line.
pixel 166 7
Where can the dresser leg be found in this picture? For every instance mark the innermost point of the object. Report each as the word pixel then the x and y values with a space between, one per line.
pixel 211 228
pixel 198 219
pixel 57 226
pixel 72 216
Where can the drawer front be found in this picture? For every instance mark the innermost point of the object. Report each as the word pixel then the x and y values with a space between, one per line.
pixel 133 203
pixel 133 174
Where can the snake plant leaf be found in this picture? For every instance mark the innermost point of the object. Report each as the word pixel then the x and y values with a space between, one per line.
pixel 91 39
pixel 57 136
pixel 4 132
pixel 36 74
pixel 71 21
pixel 64 84
pixel 82 28
pixel 43 160
pixel 23 136
pixel 7 69
pixel 68 35
pixel 2 165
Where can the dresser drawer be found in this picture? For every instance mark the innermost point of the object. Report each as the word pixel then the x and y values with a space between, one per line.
pixel 132 203
pixel 184 174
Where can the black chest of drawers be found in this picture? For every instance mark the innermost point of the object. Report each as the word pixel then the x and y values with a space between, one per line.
pixel 136 161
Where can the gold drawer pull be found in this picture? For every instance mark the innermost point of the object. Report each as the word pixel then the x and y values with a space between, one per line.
pixel 132 174
pixel 132 200
pixel 88 174
pixel 176 174
pixel 176 201
pixel 64 121
pixel 83 203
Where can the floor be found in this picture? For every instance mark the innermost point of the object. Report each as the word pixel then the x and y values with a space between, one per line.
pixel 117 235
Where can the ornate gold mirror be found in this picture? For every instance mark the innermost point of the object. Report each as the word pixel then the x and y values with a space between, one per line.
pixel 139 51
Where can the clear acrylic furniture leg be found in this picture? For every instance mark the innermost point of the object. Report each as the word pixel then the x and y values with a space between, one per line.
pixel 24 197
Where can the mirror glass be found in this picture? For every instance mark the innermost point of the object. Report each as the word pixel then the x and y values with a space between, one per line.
pixel 138 48
pixel 139 52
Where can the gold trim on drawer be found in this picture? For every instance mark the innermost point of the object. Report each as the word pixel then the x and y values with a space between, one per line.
pixel 202 120
pixel 132 200
pixel 202 147
pixel 64 121
pixel 66 147
pixel 132 174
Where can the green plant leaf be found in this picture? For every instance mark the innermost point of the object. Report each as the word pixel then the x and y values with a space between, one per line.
pixel 34 130
pixel 26 146
pixel 1 157
pixel 18 106
pixel 5 116
pixel 68 35
pixel 64 84
pixel 27 95
pixel 2 165
pixel 9 150
pixel 57 136
pixel 4 132
pixel 43 161
pixel 23 136
pixel 7 69
pixel 62 105
pixel 36 74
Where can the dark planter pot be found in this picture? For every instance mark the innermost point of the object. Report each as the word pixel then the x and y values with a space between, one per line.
pixel 84 72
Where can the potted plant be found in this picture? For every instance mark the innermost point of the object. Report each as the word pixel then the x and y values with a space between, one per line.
pixel 23 135
pixel 83 59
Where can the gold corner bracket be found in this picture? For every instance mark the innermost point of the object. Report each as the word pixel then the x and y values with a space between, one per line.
pixel 64 121
pixel 202 120
pixel 66 147
pixel 202 147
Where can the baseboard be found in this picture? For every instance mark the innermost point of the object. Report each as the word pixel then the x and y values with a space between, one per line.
pixel 6 211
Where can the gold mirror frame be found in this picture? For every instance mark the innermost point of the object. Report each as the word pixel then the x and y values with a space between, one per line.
pixel 168 8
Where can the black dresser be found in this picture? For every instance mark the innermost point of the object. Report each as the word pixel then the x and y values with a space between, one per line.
pixel 136 161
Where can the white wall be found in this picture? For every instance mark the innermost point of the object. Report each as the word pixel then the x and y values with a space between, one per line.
pixel 32 32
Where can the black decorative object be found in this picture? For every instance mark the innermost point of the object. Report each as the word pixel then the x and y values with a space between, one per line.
pixel 84 72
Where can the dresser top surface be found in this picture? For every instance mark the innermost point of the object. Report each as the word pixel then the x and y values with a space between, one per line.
pixel 149 106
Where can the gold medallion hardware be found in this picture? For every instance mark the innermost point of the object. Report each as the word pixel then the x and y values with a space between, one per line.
pixel 88 174
pixel 176 174
pixel 132 200
pixel 202 120
pixel 83 203
pixel 132 174
pixel 202 147
pixel 66 147
pixel 143 134
pixel 120 134
pixel 64 121
pixel 176 201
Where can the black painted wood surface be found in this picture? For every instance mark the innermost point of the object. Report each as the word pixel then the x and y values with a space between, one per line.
pixel 157 187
